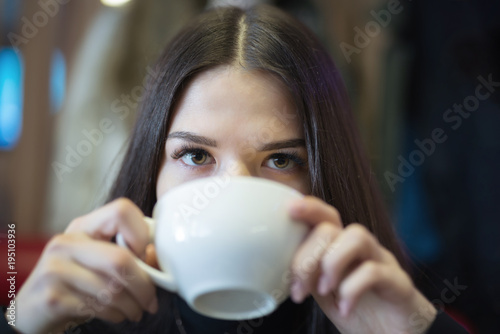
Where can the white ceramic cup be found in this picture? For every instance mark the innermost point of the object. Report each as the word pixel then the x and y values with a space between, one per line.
pixel 225 245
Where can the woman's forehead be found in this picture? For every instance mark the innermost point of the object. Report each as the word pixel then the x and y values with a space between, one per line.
pixel 235 97
pixel 228 79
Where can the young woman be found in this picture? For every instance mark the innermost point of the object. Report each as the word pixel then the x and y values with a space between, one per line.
pixel 239 92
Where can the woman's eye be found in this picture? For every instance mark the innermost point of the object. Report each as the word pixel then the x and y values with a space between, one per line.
pixel 196 158
pixel 281 161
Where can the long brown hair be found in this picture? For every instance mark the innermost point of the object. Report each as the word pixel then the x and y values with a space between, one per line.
pixel 266 39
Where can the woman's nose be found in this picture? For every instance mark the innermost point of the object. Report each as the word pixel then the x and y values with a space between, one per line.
pixel 238 168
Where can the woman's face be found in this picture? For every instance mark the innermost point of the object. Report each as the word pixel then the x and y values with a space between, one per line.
pixel 228 122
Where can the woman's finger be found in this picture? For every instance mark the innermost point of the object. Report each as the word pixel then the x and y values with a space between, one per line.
pixel 383 279
pixel 151 258
pixel 61 309
pixel 306 263
pixel 116 263
pixel 314 211
pixel 87 307
pixel 84 308
pixel 352 246
pixel 119 216
pixel 101 289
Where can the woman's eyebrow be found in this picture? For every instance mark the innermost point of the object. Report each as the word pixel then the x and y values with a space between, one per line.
pixel 283 144
pixel 189 136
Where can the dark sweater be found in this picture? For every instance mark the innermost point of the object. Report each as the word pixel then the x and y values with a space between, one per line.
pixel 287 319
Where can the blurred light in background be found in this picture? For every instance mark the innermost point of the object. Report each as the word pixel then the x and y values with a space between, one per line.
pixel 11 97
pixel 237 3
pixel 9 13
pixel 114 3
pixel 57 80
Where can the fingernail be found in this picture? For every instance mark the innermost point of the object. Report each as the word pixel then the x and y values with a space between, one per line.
pixel 153 307
pixel 344 308
pixel 323 285
pixel 297 292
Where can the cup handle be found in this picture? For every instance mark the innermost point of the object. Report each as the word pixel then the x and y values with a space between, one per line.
pixel 161 278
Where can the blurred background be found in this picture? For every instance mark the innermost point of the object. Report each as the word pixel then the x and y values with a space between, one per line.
pixel 424 81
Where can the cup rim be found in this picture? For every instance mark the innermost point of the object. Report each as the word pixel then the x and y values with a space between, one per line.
pixel 240 179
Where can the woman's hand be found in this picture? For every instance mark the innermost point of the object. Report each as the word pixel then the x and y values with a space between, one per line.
pixel 358 283
pixel 82 275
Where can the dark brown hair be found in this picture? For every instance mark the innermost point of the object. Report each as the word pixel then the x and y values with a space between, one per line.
pixel 262 38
